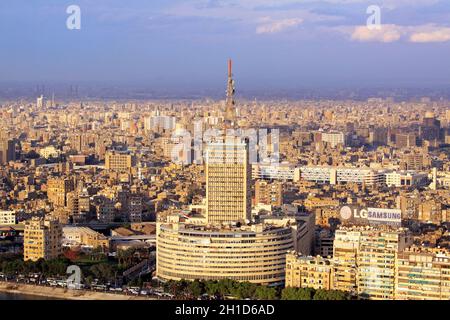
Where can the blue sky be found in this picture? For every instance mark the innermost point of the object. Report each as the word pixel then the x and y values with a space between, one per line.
pixel 275 43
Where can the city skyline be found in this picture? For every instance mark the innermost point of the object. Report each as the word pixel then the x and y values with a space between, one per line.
pixel 223 150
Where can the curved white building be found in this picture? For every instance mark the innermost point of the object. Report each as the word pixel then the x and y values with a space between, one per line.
pixel 255 253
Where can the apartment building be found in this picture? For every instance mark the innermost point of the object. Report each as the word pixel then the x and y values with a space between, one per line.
pixel 58 189
pixel 309 272
pixel 119 161
pixel 270 193
pixel 42 239
pixel 7 217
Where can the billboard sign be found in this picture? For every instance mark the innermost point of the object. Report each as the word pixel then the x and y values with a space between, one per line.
pixel 371 216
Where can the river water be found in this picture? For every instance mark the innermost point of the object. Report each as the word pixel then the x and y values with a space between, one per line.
pixel 16 296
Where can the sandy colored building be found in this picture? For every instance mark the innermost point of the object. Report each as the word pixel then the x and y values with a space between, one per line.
pixel 42 239
pixel 228 182
pixel 364 259
pixel 423 274
pixel 270 193
pixel 57 190
pixel 254 253
pixel 309 272
pixel 118 161
pixel 376 262
pixel 7 217
pixel 86 237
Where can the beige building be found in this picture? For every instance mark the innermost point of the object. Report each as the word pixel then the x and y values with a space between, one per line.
pixel 85 236
pixel 270 193
pixel 42 239
pixel 405 140
pixel 309 272
pixel 345 249
pixel 119 161
pixel 364 259
pixel 423 274
pixel 376 262
pixel 7 217
pixel 57 190
pixel 254 253
pixel 430 211
pixel 315 202
pixel 7 150
pixel 228 182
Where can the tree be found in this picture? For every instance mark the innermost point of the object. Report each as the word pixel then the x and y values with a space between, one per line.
pixel 57 267
pixel 266 293
pixel 212 287
pixel 305 294
pixel 125 257
pixel 103 271
pixel 243 290
pixel 225 286
pixel 196 288
pixel 330 295
pixel 289 294
pixel 297 294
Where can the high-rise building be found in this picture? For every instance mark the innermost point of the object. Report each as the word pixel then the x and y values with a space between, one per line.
pixel 197 247
pixel 135 208
pixel 40 102
pixel 376 262
pixel 104 208
pixel 414 161
pixel 405 140
pixel 57 190
pixel 430 128
pixel 42 239
pixel 333 138
pixel 7 217
pixel 345 249
pixel 7 149
pixel 378 136
pixel 228 181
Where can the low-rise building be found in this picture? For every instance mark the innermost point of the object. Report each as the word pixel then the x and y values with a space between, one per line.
pixel 7 217
pixel 84 236
pixel 309 272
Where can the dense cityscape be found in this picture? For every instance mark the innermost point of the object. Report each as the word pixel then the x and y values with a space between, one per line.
pixel 202 159
pixel 225 199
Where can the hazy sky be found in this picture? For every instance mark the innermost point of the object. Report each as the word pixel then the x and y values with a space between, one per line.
pixel 275 43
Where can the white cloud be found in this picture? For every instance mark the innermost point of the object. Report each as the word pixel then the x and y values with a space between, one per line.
pixel 247 12
pixel 392 33
pixel 437 35
pixel 277 26
pixel 387 33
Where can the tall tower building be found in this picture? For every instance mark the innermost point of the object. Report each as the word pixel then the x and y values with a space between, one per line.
pixel 40 102
pixel 230 108
pixel 7 149
pixel 228 181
